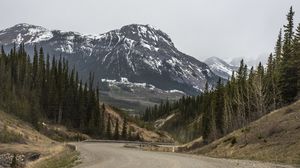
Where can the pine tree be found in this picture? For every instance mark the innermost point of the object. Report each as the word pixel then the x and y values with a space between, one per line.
pixel 288 74
pixel 270 89
pixel 102 122
pixel 206 118
pixel 219 107
pixel 296 55
pixel 116 135
pixel 35 68
pixel 278 49
pixel 124 128
pixel 108 128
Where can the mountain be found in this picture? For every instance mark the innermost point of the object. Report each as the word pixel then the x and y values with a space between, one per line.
pixel 133 54
pixel 220 67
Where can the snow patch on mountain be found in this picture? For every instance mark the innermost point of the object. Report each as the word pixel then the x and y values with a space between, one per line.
pixel 141 53
pixel 125 81
pixel 19 39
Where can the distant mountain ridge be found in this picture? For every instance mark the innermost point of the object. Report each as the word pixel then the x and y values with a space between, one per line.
pixel 140 53
pixel 220 67
pixel 136 66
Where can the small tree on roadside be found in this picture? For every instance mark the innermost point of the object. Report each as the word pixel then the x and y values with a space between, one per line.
pixel 124 129
pixel 108 128
pixel 14 162
pixel 116 136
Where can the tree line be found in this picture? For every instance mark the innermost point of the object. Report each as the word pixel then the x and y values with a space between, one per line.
pixel 249 94
pixel 46 89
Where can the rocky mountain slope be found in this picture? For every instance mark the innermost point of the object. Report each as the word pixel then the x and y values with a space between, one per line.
pixel 140 53
pixel 136 61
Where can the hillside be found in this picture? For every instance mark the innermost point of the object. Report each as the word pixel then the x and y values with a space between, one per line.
pixel 273 138
pixel 31 147
pixel 143 133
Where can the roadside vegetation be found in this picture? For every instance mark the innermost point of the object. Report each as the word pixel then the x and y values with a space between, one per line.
pixel 250 93
pixel 273 138
pixel 66 159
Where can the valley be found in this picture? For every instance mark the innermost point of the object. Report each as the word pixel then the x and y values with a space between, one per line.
pixel 129 95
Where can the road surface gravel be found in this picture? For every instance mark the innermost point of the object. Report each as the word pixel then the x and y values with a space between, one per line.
pixel 114 155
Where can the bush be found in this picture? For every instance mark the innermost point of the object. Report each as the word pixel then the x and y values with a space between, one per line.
pixel 233 140
pixel 14 162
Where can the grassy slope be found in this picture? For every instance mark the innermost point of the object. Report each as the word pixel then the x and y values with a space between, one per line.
pixel 274 138
pixel 31 141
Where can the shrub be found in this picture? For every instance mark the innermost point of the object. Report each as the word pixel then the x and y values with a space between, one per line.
pixel 233 140
pixel 14 162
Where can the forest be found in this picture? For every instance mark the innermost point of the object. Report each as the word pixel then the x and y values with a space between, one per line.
pixel 41 90
pixel 250 93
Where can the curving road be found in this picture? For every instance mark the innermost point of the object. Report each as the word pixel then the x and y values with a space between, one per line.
pixel 114 155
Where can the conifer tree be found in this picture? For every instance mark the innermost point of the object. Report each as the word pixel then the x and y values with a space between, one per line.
pixel 108 127
pixel 206 119
pixel 296 55
pixel 35 67
pixel 124 128
pixel 219 107
pixel 288 72
pixel 116 135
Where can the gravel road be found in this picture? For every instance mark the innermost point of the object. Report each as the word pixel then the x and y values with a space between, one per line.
pixel 114 155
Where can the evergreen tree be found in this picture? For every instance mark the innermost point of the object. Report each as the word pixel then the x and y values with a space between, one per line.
pixel 124 128
pixel 108 128
pixel 288 72
pixel 219 107
pixel 116 135
pixel 206 119
pixel 35 67
pixel 296 55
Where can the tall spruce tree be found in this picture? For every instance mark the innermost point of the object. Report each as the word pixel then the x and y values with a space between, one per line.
pixel 219 107
pixel 116 134
pixel 288 72
pixel 206 119
pixel 124 128
pixel 296 55
pixel 108 128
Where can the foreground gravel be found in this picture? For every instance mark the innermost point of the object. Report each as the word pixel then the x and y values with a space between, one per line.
pixel 109 155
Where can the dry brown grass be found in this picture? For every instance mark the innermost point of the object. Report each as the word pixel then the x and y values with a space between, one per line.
pixel 32 141
pixel 59 156
pixel 274 138
pixel 15 125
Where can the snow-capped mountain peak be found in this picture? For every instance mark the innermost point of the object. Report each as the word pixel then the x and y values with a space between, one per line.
pixel 25 33
pixel 139 53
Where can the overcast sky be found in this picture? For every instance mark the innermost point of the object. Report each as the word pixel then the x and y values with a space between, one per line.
pixel 201 28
